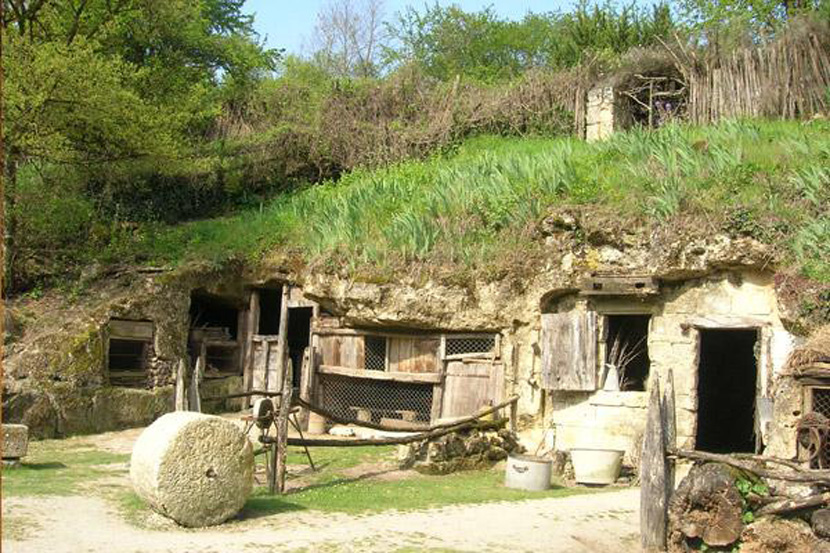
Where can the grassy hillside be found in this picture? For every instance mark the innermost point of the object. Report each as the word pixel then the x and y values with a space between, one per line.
pixel 770 180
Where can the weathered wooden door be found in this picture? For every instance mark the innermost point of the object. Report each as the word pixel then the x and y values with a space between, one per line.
pixel 569 351
pixel 470 386
pixel 266 373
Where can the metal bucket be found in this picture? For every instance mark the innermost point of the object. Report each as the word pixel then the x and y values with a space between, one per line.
pixel 596 466
pixel 527 472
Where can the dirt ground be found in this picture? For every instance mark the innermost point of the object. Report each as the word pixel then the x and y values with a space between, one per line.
pixel 601 522
pixel 585 523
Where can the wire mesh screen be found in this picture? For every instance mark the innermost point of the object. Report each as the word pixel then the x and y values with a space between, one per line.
pixel 375 357
pixel 821 401
pixel 821 405
pixel 365 399
pixel 470 344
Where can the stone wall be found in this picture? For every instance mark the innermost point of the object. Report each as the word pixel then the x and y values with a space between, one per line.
pixel 599 114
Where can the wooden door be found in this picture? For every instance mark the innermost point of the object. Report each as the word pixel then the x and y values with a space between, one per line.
pixel 266 372
pixel 470 386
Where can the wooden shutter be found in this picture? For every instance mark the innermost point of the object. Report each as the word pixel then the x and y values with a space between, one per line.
pixel 569 351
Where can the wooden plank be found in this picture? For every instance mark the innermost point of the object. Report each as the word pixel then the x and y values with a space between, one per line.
pixel 273 367
pixel 134 330
pixel 653 469
pixel 416 355
pixel 569 351
pixel 427 378
pixel 400 350
pixel 330 350
pixel 259 367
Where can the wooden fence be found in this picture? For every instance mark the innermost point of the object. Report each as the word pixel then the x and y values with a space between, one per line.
pixel 787 78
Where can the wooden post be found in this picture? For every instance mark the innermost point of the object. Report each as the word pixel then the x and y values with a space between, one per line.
pixel 514 407
pixel 653 467
pixel 306 383
pixel 251 329
pixel 670 414
pixel 282 346
pixel 278 474
pixel 181 390
pixel 194 399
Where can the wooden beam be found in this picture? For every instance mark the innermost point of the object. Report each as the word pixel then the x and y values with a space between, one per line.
pixel 134 330
pixel 368 424
pixel 670 415
pixel 430 435
pixel 424 378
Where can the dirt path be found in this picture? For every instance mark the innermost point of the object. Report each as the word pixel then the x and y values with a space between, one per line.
pixel 586 523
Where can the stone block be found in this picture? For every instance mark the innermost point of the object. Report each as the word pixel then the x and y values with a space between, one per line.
pixel 195 469
pixel 15 440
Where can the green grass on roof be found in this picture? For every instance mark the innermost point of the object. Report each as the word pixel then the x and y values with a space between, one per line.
pixel 767 179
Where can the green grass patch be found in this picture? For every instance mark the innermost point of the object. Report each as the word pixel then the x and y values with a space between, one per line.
pixel 766 179
pixel 55 468
pixel 363 495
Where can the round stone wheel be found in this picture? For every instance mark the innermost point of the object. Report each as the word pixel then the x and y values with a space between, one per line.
pixel 195 469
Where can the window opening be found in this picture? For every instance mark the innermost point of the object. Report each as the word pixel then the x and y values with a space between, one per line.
pixel 299 337
pixel 626 350
pixel 215 313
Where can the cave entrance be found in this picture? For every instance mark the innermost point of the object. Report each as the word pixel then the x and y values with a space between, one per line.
pixel 298 339
pixel 727 376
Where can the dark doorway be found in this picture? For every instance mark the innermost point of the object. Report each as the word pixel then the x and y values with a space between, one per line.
pixel 299 336
pixel 726 391
pixel 627 349
pixel 209 311
pixel 270 304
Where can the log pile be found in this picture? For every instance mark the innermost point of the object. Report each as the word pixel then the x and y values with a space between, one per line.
pixel 759 502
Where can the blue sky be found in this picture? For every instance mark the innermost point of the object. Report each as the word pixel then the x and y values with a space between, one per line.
pixel 289 24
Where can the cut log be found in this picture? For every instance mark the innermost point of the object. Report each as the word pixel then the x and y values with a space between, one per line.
pixel 706 506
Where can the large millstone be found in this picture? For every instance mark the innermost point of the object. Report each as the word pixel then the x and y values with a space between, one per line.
pixel 196 469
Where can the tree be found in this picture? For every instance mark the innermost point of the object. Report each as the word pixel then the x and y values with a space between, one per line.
pixel 347 38
pixel 107 97
pixel 720 20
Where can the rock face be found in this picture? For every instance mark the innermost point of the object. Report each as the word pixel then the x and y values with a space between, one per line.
pixel 195 469
pixel 15 440
pixel 706 506
pixel 470 449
